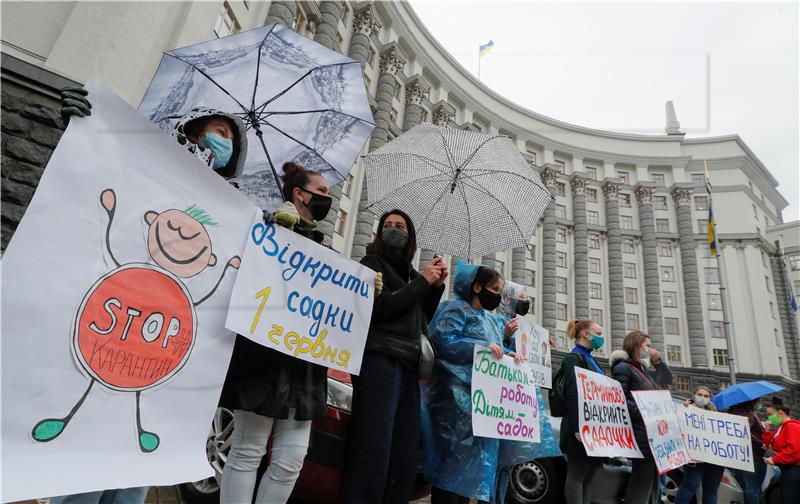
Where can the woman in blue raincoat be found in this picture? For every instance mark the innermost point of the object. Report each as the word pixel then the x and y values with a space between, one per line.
pixel 515 302
pixel 459 465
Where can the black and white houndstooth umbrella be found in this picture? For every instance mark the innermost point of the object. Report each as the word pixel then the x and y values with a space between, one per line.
pixel 469 194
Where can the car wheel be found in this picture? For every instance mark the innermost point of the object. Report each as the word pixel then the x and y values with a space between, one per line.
pixel 671 484
pixel 534 482
pixel 218 444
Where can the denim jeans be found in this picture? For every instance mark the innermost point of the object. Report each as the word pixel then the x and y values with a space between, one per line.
pixel 135 495
pixel 708 474
pixel 752 481
pixel 578 482
pixel 384 434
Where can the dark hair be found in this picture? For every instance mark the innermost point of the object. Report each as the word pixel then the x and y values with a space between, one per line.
pixel 777 402
pixel 785 409
pixel 632 342
pixel 195 127
pixel 485 277
pixel 293 176
pixel 411 246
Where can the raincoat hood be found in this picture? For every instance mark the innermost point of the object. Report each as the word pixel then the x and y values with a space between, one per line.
pixel 463 280
pixel 205 155
pixel 510 294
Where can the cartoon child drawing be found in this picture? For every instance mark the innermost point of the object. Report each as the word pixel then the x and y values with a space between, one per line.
pixel 136 326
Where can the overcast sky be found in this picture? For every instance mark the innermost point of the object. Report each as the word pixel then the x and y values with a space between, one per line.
pixel 728 67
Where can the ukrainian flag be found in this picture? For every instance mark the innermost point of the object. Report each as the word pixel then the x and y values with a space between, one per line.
pixel 792 299
pixel 712 235
pixel 484 49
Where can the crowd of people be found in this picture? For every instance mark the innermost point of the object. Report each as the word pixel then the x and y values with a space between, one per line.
pixel 276 395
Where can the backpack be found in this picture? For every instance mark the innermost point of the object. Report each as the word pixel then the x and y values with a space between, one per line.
pixel 557 395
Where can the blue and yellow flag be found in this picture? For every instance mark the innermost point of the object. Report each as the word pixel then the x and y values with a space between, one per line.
pixel 712 234
pixel 792 299
pixel 485 48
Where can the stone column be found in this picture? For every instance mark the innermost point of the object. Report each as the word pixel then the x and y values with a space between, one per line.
pixel 518 265
pixel 652 285
pixel 581 246
pixel 549 255
pixel 788 325
pixel 682 194
pixel 282 12
pixel 616 287
pixel 392 65
pixel 443 114
pixel 365 25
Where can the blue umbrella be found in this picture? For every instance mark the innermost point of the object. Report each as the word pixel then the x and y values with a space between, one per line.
pixel 743 392
pixel 298 100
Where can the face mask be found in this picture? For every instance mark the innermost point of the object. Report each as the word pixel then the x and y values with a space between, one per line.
pixel 644 353
pixel 775 419
pixel 221 147
pixel 318 205
pixel 596 340
pixel 523 306
pixel 395 239
pixel 489 300
pixel 701 401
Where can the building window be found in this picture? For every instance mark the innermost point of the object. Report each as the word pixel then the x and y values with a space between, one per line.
pixel 682 384
pixel 720 357
pixel 530 278
pixel 370 56
pixel 717 329
pixel 561 166
pixel 594 265
pixel 624 200
pixel 591 195
pixel 341 221
pixel 662 225
pixel 772 309
pixel 338 41
pixel 670 299
pixel 299 21
pixel 561 285
pixel 664 249
pixel 705 250
pixel 715 301
pixel 561 259
pixel 532 306
pixel 226 23
pixel 625 222
pixel 343 14
pixel 561 212
pixel 398 91
pixel 561 340
pixel 778 341
pixel 630 270
pixel 594 241
pixel 393 115
pixel 660 202
pixel 702 226
pixel 532 155
pixel 631 322
pixel 667 274
pixel 671 325
pixel 530 252
pixel 624 176
pixel 631 295
pixel 596 315
pixel 658 178
pixel 794 262
pixel 561 235
pixel 701 202
pixel 595 291
pixel 561 311
pixel 367 82
pixel 423 116
pixel 593 217
pixel 698 179
pixel 711 275
pixel 347 185
pixel 627 246
pixel 592 173
pixel 674 354
pixel 561 188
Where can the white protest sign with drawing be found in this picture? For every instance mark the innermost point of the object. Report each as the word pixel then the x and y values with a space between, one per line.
pixel 663 431
pixel 532 341
pixel 603 419
pixel 717 438
pixel 503 398
pixel 302 299
pixel 115 291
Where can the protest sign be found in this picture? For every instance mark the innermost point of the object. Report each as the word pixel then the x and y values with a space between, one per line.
pixel 504 402
pixel 115 291
pixel 663 432
pixel 533 343
pixel 302 299
pixel 603 419
pixel 717 438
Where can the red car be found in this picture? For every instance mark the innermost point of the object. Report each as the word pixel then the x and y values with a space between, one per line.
pixel 322 478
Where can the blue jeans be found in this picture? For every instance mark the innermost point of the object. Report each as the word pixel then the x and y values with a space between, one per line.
pixel 135 495
pixel 708 474
pixel 752 481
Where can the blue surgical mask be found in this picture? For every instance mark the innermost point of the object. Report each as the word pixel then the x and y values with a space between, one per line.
pixel 596 340
pixel 221 147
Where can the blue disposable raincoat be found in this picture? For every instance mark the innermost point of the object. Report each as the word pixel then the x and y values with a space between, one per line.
pixel 455 460
pixel 512 453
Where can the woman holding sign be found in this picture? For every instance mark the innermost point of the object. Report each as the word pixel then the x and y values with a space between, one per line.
pixel 634 374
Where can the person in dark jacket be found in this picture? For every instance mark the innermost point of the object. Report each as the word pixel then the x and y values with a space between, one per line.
pixel 752 481
pixel 385 429
pixel 269 392
pixel 581 468
pixel 634 374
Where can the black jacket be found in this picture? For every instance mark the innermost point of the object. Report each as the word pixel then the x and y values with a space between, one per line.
pixel 633 376
pixel 269 383
pixel 568 443
pixel 402 310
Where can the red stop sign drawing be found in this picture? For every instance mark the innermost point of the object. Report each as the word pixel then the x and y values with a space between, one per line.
pixel 135 328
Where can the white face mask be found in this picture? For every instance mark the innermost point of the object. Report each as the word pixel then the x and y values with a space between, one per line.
pixel 644 353
pixel 701 401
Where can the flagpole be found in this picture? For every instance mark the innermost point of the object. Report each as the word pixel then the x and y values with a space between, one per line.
pixel 790 315
pixel 479 64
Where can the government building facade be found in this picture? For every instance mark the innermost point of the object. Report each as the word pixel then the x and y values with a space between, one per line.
pixel 622 243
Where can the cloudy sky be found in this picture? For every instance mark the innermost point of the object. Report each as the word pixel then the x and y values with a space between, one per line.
pixel 728 67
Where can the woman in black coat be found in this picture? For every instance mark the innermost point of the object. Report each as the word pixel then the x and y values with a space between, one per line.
pixel 385 429
pixel 634 374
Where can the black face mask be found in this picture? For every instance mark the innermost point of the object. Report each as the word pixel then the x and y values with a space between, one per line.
pixel 489 300
pixel 522 307
pixel 395 239
pixel 319 205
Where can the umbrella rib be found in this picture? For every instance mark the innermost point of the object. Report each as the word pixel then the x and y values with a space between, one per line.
pixel 447 150
pixel 415 181
pixel 290 137
pixel 317 111
pixel 258 66
pixel 476 151
pixel 479 188
pixel 469 220
pixel 303 77
pixel 428 213
pixel 209 78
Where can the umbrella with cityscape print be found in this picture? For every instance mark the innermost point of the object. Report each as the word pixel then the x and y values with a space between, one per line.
pixel 299 102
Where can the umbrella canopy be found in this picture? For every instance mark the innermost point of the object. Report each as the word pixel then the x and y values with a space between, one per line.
pixel 299 102
pixel 469 194
pixel 743 392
